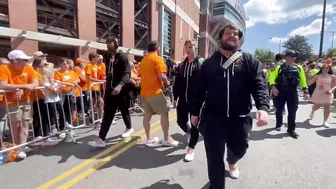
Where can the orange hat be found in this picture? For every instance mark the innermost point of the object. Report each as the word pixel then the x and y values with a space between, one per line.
pixel 80 60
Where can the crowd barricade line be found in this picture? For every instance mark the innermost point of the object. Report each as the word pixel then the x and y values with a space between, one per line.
pixel 43 118
pixel 94 101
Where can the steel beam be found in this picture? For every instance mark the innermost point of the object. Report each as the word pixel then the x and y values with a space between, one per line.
pixel 141 10
pixel 58 18
pixel 142 38
pixel 107 31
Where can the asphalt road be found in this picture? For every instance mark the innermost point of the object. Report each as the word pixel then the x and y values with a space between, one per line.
pixel 273 161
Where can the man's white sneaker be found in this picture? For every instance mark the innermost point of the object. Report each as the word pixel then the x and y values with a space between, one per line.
pixel 97 144
pixel 326 124
pixel 127 133
pixel 68 127
pixel 171 143
pixel 152 142
pixel 54 131
pixel 189 157
pixel 114 122
pixel 22 154
pixel 234 173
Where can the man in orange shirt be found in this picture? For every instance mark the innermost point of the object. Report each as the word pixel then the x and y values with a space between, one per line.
pixel 153 75
pixel 21 78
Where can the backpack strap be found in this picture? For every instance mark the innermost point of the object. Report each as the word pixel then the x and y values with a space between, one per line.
pixel 233 58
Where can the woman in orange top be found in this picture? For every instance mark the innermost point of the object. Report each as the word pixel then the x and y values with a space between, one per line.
pixel 68 79
pixel 40 116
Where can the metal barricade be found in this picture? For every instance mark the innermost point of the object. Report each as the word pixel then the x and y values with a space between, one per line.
pixel 36 121
pixel 96 101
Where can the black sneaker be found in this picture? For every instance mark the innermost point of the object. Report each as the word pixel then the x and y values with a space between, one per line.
pixel 293 134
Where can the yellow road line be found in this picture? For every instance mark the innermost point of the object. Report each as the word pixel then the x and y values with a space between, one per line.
pixel 92 159
pixel 95 167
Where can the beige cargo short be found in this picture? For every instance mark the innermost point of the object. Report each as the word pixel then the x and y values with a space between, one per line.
pixel 157 104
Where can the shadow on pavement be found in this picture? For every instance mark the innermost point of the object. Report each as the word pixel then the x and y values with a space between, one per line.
pixel 307 125
pixel 67 149
pixel 164 184
pixel 327 132
pixel 264 134
pixel 142 157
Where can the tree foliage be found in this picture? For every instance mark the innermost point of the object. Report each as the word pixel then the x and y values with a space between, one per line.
pixel 331 52
pixel 300 45
pixel 265 56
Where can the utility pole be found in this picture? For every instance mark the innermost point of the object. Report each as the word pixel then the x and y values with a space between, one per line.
pixel 322 28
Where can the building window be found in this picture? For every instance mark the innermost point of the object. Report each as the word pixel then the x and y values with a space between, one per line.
pixel 167 34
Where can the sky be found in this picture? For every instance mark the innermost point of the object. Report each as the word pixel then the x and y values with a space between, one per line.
pixel 269 21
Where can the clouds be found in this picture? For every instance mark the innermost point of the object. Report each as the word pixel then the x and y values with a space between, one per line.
pixel 278 39
pixel 283 11
pixel 311 29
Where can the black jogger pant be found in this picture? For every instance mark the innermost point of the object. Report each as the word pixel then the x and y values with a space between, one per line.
pixel 40 118
pixel 218 132
pixel 183 114
pixel 55 108
pixel 290 97
pixel 111 105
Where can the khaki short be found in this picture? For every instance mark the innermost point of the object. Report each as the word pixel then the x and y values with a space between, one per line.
pixel 16 113
pixel 157 104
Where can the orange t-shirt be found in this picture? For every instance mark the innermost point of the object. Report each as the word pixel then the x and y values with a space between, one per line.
pixel 39 94
pixel 19 77
pixel 91 70
pixel 150 66
pixel 102 71
pixel 80 72
pixel 68 77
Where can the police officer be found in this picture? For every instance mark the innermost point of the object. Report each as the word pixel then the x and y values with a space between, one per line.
pixel 228 78
pixel 284 81
pixel 186 81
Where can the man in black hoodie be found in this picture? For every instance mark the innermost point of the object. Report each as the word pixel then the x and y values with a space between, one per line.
pixel 118 72
pixel 186 81
pixel 228 79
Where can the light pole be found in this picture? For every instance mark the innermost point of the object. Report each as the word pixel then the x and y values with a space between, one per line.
pixel 280 41
pixel 333 36
pixel 322 28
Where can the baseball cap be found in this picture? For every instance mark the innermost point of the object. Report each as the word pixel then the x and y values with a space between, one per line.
pixel 291 53
pixel 40 54
pixel 18 54
pixel 80 60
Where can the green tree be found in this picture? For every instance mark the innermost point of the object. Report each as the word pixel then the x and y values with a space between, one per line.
pixel 331 52
pixel 265 56
pixel 300 45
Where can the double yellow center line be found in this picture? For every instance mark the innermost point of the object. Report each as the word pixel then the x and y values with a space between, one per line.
pixel 131 141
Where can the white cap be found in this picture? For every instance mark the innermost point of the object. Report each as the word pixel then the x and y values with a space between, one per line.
pixel 18 54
